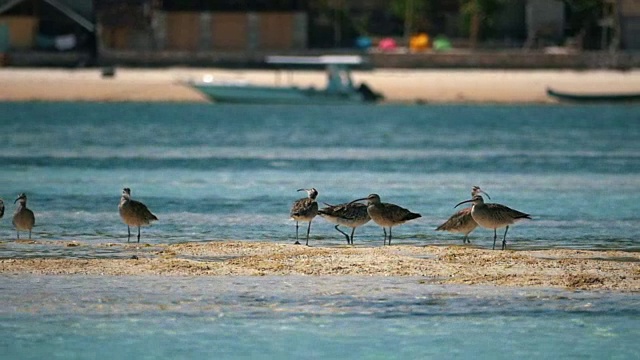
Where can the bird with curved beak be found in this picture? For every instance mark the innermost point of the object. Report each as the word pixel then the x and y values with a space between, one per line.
pixel 387 215
pixel 23 218
pixel 352 215
pixel 494 216
pixel 305 209
pixel 462 221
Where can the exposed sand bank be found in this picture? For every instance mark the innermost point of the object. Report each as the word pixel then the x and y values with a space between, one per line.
pixel 430 86
pixel 560 268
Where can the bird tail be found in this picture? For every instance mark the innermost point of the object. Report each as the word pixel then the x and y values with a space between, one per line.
pixel 411 216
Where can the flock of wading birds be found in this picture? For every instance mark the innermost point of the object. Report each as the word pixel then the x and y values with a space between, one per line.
pixel 353 214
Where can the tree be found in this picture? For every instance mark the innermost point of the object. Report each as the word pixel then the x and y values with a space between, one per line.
pixel 413 12
pixel 478 14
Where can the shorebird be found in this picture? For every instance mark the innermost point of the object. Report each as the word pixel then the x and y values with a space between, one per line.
pixel 352 215
pixel 462 221
pixel 494 216
pixel 387 215
pixel 23 218
pixel 134 213
pixel 305 209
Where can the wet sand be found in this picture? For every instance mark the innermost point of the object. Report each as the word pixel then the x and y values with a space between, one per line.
pixel 555 268
pixel 397 85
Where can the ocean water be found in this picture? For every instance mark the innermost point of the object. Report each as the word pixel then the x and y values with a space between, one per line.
pixel 217 172
pixel 231 172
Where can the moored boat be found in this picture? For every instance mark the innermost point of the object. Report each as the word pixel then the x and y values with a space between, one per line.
pixel 593 97
pixel 339 88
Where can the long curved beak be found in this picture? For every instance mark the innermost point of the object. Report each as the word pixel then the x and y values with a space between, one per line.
pixel 301 190
pixel 463 202
pixel 488 197
pixel 356 200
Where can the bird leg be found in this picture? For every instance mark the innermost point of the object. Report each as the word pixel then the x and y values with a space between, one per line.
pixel 389 235
pixel 138 233
pixel 495 235
pixel 29 234
pixel 343 233
pixel 384 241
pixel 18 235
pixel 297 242
pixel 504 239
pixel 464 239
pixel 308 230
pixel 353 230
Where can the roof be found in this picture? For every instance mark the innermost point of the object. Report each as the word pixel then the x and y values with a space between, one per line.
pixel 315 60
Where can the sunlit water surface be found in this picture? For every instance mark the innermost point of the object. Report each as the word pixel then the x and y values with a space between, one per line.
pixel 216 172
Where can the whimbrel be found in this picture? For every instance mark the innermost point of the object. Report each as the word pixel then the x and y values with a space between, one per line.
pixel 494 216
pixel 462 221
pixel 134 213
pixel 23 218
pixel 387 215
pixel 305 209
pixel 352 215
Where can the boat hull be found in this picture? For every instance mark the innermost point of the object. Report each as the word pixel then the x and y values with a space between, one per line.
pixel 274 95
pixel 592 98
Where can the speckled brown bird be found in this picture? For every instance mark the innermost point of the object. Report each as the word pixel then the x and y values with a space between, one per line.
pixel 494 216
pixel 462 221
pixel 305 209
pixel 134 213
pixel 387 215
pixel 23 218
pixel 352 215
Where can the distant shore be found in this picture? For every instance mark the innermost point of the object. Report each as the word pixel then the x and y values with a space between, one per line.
pixel 557 268
pixel 397 85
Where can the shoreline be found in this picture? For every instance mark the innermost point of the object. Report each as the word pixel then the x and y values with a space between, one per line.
pixel 402 86
pixel 610 270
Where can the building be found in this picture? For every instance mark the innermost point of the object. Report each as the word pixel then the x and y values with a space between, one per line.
pixel 243 32
pixel 43 28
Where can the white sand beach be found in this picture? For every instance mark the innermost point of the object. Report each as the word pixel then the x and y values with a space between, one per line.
pixel 397 85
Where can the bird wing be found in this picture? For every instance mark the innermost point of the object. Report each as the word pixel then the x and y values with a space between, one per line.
pixel 141 209
pixel 304 207
pixel 397 213
pixel 458 220
pixel 506 214
pixel 346 211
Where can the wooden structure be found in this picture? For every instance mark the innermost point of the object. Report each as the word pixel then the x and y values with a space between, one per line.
pixel 141 26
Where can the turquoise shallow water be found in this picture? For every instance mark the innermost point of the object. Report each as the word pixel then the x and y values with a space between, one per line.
pixel 230 172
pixel 307 317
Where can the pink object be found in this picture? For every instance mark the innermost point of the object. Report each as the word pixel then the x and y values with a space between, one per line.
pixel 387 44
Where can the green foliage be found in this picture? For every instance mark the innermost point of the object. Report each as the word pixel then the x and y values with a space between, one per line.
pixel 416 10
pixel 418 7
pixel 486 9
